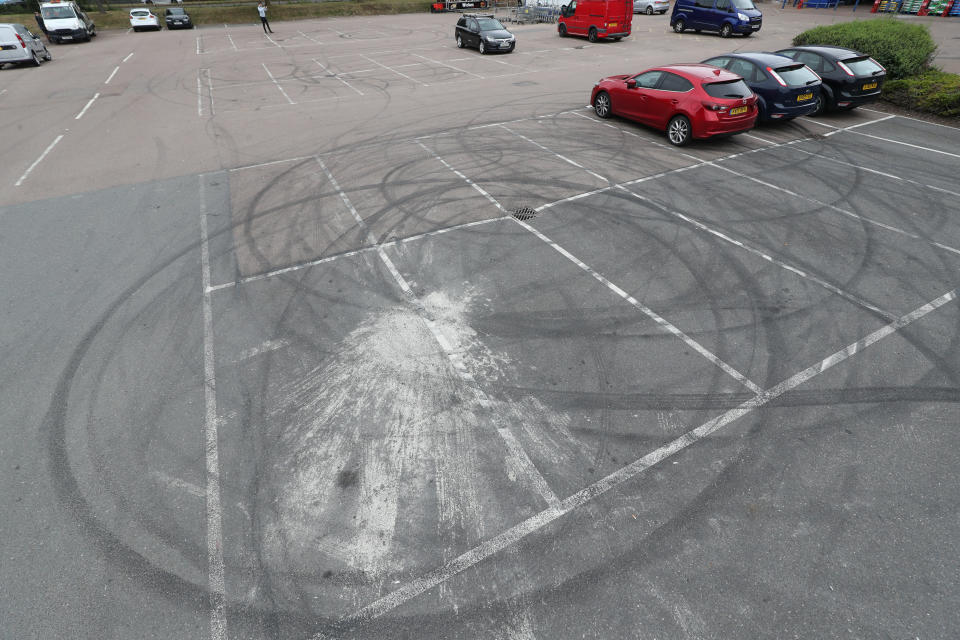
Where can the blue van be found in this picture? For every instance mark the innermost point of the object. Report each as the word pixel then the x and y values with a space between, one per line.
pixel 726 16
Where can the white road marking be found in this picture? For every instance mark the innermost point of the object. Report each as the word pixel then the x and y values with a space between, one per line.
pixel 907 144
pixel 130 30
pixel 110 77
pixel 129 55
pixel 308 37
pixel 337 76
pixel 526 468
pixel 290 100
pixel 448 66
pixel 272 40
pixel 267 164
pixel 198 45
pixel 232 43
pixel 2 91
pixel 936 124
pixel 87 106
pixel 554 153
pixel 662 322
pixel 862 124
pixel 399 73
pixel 215 569
pixel 38 160
pixel 536 522
pixel 199 95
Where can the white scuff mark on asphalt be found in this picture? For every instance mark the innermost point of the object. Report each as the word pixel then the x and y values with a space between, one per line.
pixel 266 347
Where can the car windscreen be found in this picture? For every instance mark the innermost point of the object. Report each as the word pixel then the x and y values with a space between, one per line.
pixel 57 13
pixel 176 12
pixel 742 4
pixel 729 89
pixel 489 24
pixel 863 66
pixel 797 75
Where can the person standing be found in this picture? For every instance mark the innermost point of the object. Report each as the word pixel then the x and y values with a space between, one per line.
pixel 262 10
pixel 43 27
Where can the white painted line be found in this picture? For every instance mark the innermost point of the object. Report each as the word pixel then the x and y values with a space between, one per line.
pixel 2 91
pixel 907 144
pixel 800 272
pixel 308 37
pixel 213 111
pixel 38 160
pixel 87 106
pixel 232 43
pixel 110 77
pixel 317 62
pixel 936 124
pixel 554 153
pixel 215 569
pixel 526 469
pixel 178 483
pixel 862 124
pixel 455 227
pixel 267 164
pixel 470 182
pixel 129 55
pixel 448 66
pixel 271 40
pixel 399 73
pixel 199 95
pixel 295 267
pixel 198 45
pixel 130 30
pixel 536 522
pixel 277 84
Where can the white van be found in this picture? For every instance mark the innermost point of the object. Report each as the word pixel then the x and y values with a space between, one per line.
pixel 66 22
pixel 18 44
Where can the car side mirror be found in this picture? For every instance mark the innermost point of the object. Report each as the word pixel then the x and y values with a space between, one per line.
pixel 631 84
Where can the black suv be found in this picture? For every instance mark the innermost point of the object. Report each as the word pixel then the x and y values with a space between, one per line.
pixel 850 78
pixel 177 18
pixel 483 32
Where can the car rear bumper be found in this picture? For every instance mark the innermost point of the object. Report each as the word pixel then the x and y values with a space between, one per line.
pixel 182 25
pixel 613 34
pixel 792 110
pixel 725 127
pixel 15 55
pixel 846 100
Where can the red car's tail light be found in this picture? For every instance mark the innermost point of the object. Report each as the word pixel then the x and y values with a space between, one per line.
pixel 713 106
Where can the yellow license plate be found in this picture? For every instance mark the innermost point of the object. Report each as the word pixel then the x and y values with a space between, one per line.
pixel 870 85
pixel 612 24
pixel 738 110
pixel 804 96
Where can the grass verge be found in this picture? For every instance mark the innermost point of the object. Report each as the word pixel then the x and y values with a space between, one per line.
pixel 931 91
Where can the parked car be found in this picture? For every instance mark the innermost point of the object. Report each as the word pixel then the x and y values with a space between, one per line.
pixel 18 44
pixel 177 18
pixel 785 88
pixel 596 19
pixel 687 100
pixel 650 7
pixel 726 16
pixel 850 78
pixel 144 19
pixel 484 32
pixel 66 22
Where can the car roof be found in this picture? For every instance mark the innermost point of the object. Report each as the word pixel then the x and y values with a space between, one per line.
pixel 699 71
pixel 764 58
pixel 837 53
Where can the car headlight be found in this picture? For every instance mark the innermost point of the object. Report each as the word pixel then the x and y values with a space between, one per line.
pixel 743 17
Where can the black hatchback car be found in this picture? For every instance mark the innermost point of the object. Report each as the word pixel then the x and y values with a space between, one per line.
pixel 177 18
pixel 485 33
pixel 785 88
pixel 850 78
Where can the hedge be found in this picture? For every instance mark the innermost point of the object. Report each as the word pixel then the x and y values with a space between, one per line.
pixel 904 49
pixel 932 91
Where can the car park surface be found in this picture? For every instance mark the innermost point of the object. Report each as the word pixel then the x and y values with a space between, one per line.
pixel 470 361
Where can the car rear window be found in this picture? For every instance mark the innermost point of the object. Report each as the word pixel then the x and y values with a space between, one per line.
pixel 139 12
pixel 863 66
pixel 797 75
pixel 728 89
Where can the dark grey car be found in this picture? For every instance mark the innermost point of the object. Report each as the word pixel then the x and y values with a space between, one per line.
pixel 484 32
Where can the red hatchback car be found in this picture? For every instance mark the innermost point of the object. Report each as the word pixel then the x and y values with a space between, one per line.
pixel 687 100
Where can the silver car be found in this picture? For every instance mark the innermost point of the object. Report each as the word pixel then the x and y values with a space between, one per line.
pixel 650 7
pixel 17 44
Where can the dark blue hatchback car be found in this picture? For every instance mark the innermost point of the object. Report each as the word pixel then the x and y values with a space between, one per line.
pixel 785 88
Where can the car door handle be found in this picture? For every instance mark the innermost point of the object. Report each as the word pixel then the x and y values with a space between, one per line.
pixel 675 101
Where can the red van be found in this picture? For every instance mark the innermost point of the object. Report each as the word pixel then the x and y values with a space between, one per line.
pixel 596 19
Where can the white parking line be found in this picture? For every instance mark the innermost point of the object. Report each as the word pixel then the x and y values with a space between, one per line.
pixel 538 521
pixel 448 66
pixel 198 45
pixel 38 160
pixel 87 106
pixel 554 153
pixel 309 38
pixel 232 43
pixel 129 55
pixel 368 59
pixel 199 95
pixel 936 124
pixel 862 124
pixel 907 144
pixel 215 567
pixel 110 77
pixel 289 99
pixel 330 74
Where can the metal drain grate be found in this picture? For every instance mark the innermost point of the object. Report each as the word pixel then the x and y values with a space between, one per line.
pixel 524 213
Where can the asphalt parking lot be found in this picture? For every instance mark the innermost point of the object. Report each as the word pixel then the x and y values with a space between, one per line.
pixel 348 333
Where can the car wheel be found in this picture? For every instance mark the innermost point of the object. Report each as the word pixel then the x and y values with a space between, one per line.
pixel 563 30
pixel 482 48
pixel 36 59
pixel 459 42
pixel 821 107
pixel 601 104
pixel 679 26
pixel 726 30
pixel 46 55
pixel 617 39
pixel 649 10
pixel 94 32
pixel 678 131
pixel 592 34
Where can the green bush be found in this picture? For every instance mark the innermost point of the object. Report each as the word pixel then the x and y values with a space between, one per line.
pixel 904 49
pixel 931 91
